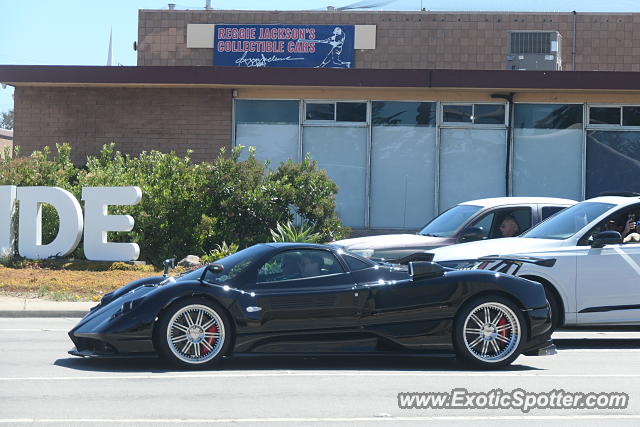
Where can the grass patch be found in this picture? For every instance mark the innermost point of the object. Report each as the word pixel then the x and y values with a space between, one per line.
pixel 62 284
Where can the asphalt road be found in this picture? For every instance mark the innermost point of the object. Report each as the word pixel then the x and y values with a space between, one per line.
pixel 41 385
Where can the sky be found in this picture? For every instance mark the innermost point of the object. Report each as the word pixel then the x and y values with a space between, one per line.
pixel 76 32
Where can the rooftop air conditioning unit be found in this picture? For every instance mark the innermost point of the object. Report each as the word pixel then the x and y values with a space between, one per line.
pixel 534 50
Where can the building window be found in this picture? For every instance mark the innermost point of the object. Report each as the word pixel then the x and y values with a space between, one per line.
pixel 320 111
pixel 403 159
pixel 625 115
pixel 272 127
pixel 613 149
pixel 604 116
pixel 547 150
pixel 476 114
pixel 457 113
pixel 398 113
pixel 336 111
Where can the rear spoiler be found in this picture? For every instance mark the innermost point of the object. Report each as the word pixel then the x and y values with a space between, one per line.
pixel 503 264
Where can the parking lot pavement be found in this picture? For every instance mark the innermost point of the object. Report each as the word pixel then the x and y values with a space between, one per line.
pixel 41 384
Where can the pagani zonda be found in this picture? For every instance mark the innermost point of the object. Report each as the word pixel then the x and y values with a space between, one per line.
pixel 293 298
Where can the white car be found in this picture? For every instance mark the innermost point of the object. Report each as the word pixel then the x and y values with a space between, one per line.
pixel 596 277
pixel 465 222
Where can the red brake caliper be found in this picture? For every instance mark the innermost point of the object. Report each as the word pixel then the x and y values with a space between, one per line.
pixel 203 349
pixel 501 322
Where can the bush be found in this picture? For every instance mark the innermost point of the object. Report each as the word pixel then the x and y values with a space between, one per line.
pixel 189 208
pixel 291 233
pixel 310 192
pixel 219 252
pixel 41 169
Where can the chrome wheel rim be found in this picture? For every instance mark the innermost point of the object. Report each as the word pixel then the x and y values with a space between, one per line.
pixel 195 334
pixel 491 332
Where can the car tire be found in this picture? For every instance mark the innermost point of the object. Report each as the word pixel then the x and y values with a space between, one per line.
pixel 554 305
pixel 489 332
pixel 193 333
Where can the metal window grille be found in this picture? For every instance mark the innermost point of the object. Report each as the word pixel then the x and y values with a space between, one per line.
pixel 530 43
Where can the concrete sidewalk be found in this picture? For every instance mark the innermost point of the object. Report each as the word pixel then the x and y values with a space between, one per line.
pixel 35 307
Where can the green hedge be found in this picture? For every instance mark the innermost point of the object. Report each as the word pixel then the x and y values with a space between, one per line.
pixel 188 208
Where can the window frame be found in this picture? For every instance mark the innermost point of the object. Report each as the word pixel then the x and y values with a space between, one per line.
pixel 610 126
pixel 335 121
pixel 445 124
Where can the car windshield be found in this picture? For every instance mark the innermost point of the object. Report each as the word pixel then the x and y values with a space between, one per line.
pixel 568 222
pixel 448 222
pixel 233 265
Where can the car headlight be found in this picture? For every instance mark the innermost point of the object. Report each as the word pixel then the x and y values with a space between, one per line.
pixel 367 253
pixel 127 307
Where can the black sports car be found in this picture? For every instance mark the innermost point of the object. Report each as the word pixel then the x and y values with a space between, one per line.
pixel 297 298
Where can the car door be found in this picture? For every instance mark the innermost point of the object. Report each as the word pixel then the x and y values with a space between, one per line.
pixel 289 300
pixel 608 281
pixel 407 312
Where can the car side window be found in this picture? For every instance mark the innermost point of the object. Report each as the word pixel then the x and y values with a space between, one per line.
pixel 616 222
pixel 547 211
pixel 299 264
pixel 509 222
pixel 485 224
pixel 355 264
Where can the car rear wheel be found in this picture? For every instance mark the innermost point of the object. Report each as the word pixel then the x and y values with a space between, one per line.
pixel 193 333
pixel 489 332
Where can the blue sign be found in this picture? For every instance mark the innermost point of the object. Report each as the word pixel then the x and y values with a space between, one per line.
pixel 302 46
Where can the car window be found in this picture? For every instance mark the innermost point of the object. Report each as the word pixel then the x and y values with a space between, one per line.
pixel 548 211
pixel 568 221
pixel 233 265
pixel 484 223
pixel 299 264
pixel 616 222
pixel 448 222
pixel 509 222
pixel 355 264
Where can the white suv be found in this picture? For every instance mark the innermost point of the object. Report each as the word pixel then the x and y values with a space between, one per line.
pixel 596 277
pixel 465 222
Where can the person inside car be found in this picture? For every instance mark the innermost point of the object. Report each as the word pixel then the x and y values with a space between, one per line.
pixel 633 235
pixel 309 265
pixel 509 227
pixel 629 226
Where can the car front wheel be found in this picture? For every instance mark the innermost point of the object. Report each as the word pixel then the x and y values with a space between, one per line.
pixel 489 332
pixel 193 333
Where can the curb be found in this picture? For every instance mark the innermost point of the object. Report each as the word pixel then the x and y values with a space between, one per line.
pixel 42 313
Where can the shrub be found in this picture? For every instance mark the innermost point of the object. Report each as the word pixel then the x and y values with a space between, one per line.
pixel 311 194
pixel 189 208
pixel 292 233
pixel 41 169
pixel 219 252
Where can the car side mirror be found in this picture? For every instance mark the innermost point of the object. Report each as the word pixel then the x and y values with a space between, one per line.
pixel 471 234
pixel 606 238
pixel 422 269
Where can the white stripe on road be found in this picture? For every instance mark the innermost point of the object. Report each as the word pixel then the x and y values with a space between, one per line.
pixel 322 420
pixel 318 374
pixel 33 330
